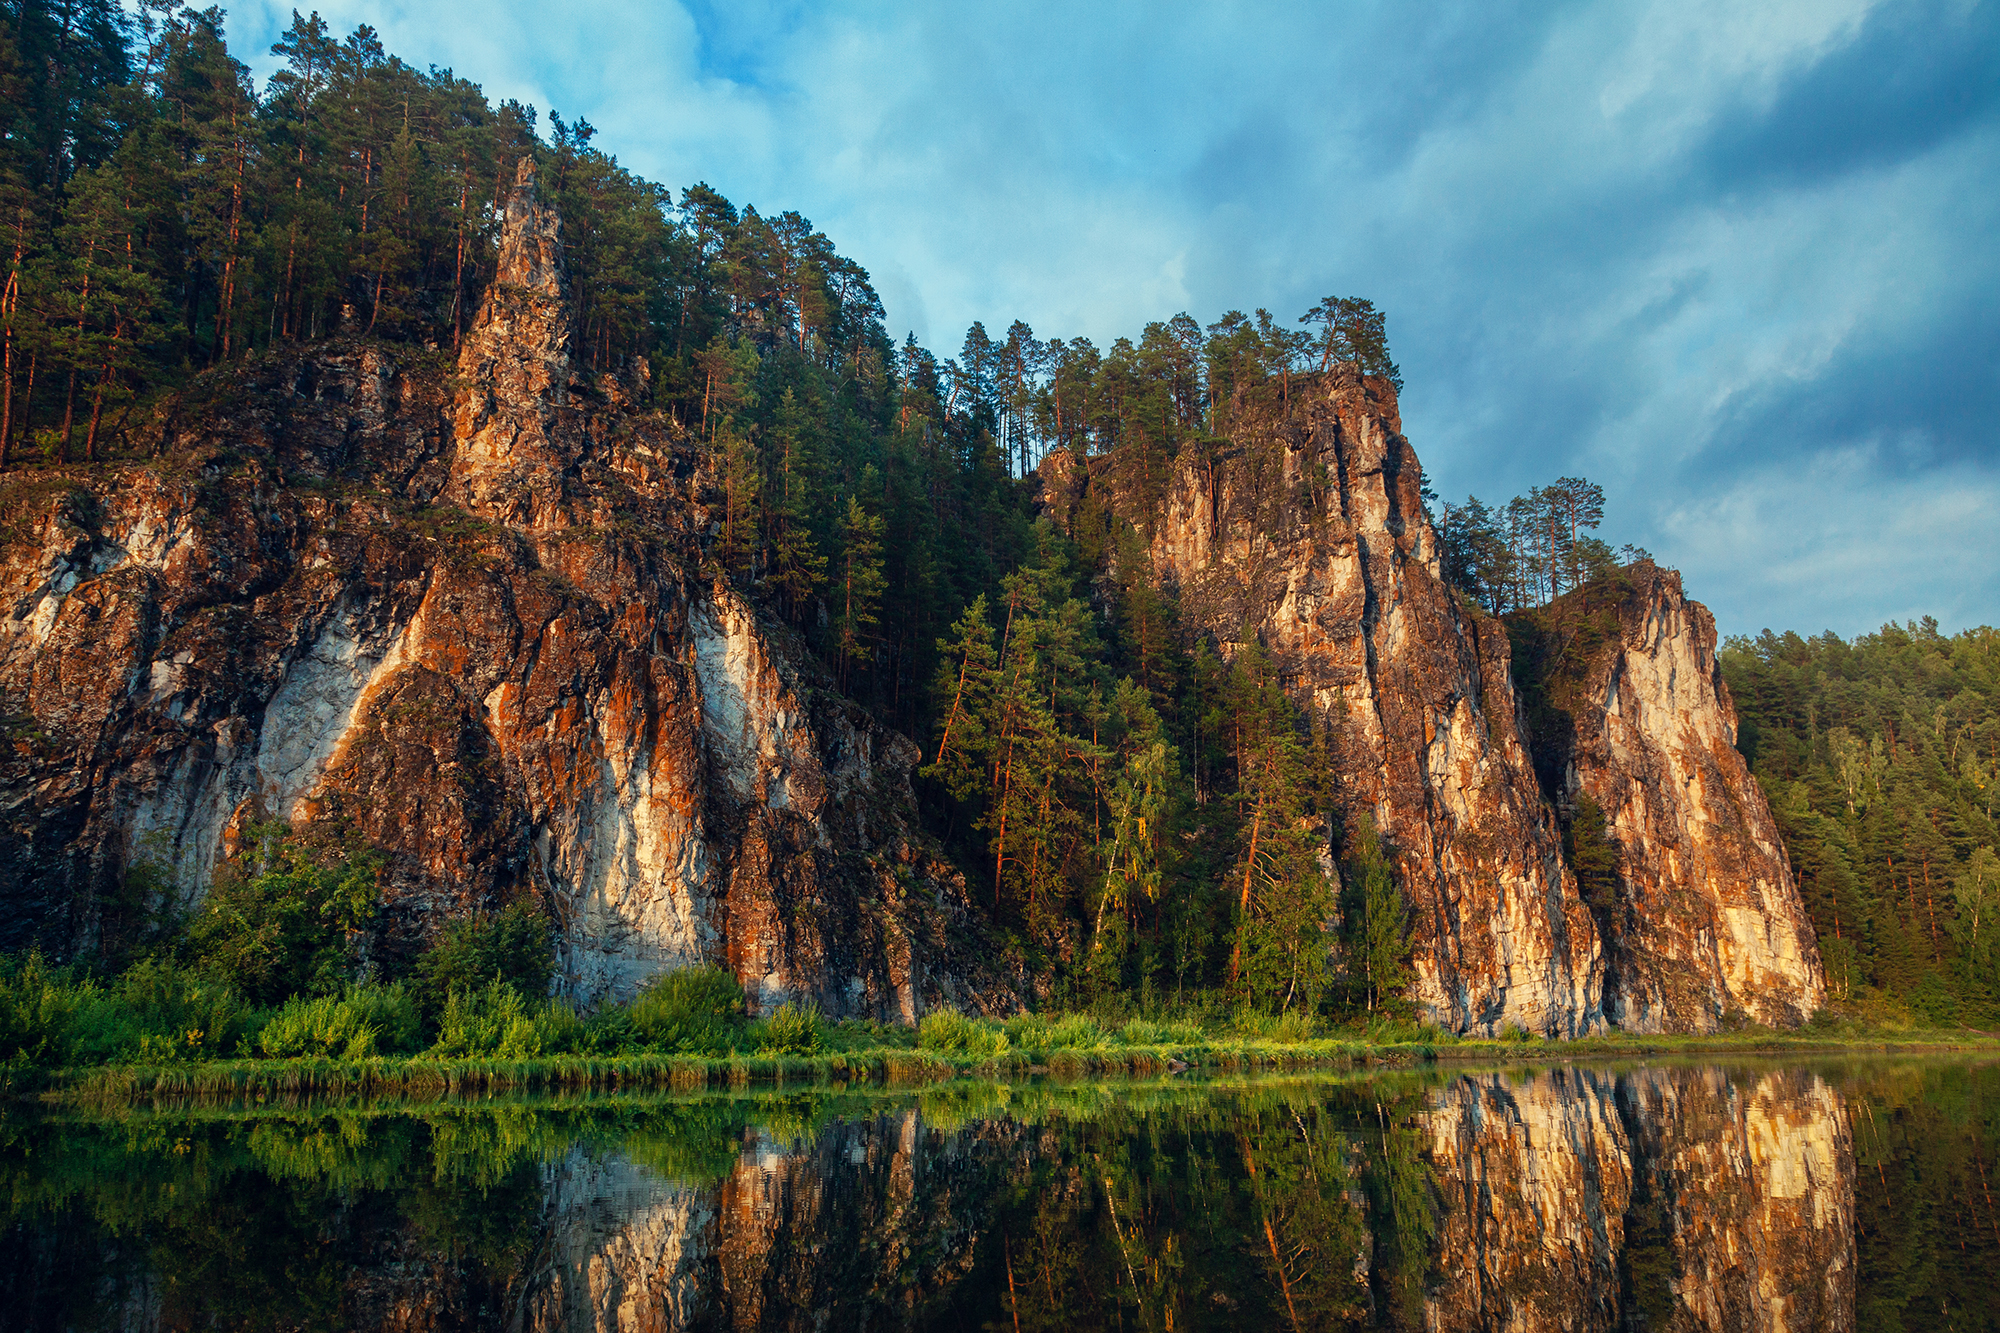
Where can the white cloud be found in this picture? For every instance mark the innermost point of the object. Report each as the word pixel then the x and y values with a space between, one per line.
pixel 1575 281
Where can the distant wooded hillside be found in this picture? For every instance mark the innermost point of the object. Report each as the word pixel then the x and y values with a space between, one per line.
pixel 1881 758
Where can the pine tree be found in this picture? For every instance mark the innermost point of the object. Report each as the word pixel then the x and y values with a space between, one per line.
pixel 1283 939
pixel 1138 808
pixel 860 587
pixel 1379 929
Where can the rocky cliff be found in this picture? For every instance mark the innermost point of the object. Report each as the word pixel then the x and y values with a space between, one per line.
pixel 461 611
pixel 1632 712
pixel 1306 529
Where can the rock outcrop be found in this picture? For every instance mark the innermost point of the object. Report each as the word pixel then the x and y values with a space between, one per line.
pixel 465 618
pixel 462 611
pixel 1308 532
pixel 1706 919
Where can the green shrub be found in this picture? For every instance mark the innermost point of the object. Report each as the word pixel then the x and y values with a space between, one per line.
pixel 792 1030
pixel 38 1006
pixel 367 1021
pixel 497 1022
pixel 512 946
pixel 1076 1032
pixel 694 1011
pixel 317 1027
pixel 1290 1026
pixel 285 932
pixel 610 1031
pixel 392 1011
pixel 1145 1032
pixel 157 1013
pixel 949 1030
pixel 553 1028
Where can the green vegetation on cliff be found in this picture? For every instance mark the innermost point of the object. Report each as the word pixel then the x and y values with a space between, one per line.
pixel 1131 812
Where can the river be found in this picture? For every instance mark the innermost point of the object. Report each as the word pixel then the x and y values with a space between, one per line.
pixel 1770 1195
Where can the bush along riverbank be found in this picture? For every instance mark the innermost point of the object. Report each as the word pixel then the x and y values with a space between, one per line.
pixel 157 1032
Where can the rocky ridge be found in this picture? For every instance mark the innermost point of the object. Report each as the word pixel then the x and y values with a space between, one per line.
pixel 460 609
pixel 460 612
pixel 1306 530
pixel 1635 716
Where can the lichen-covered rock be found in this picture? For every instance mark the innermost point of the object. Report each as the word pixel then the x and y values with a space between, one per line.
pixel 467 620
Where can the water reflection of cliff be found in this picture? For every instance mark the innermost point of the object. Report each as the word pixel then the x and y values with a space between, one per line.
pixel 1663 1199
pixel 1571 1200
pixel 1658 1199
pixel 871 1217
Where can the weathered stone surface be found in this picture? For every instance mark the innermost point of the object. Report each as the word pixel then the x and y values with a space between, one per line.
pixel 1309 531
pixel 1708 918
pixel 466 620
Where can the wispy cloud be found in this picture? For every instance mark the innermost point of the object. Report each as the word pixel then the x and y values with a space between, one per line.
pixel 1738 262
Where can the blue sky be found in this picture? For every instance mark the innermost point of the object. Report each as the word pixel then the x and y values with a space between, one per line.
pixel 1738 263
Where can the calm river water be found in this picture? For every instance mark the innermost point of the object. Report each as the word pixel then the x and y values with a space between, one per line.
pixel 1854 1194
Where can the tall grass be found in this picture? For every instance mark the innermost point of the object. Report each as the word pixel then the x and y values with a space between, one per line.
pixel 496 1020
pixel 792 1030
pixel 154 1012
pixel 950 1031
pixel 694 1011
pixel 366 1021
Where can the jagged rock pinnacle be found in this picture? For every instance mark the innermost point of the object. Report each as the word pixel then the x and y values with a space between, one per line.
pixel 514 371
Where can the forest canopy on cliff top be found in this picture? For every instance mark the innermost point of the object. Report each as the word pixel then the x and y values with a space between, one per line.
pixel 164 217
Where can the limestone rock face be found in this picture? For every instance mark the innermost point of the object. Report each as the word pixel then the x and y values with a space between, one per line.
pixel 1311 532
pixel 1709 919
pixel 466 622
pixel 1690 1198
pixel 1307 530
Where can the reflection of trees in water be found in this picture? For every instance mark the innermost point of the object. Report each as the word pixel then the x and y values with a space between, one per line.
pixel 1575 1199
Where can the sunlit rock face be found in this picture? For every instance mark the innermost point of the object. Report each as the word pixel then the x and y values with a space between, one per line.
pixel 1708 919
pixel 875 1216
pixel 1309 531
pixel 1665 1199
pixel 456 609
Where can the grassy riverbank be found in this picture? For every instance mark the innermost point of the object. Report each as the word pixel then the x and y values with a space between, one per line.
pixel 1062 1048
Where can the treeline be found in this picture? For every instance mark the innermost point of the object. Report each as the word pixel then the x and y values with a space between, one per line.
pixel 1531 550
pixel 1881 759
pixel 1149 816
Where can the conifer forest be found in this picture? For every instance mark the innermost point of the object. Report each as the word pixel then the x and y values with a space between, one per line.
pixel 1136 812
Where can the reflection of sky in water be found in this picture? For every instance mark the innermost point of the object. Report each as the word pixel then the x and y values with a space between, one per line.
pixel 1767 1197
